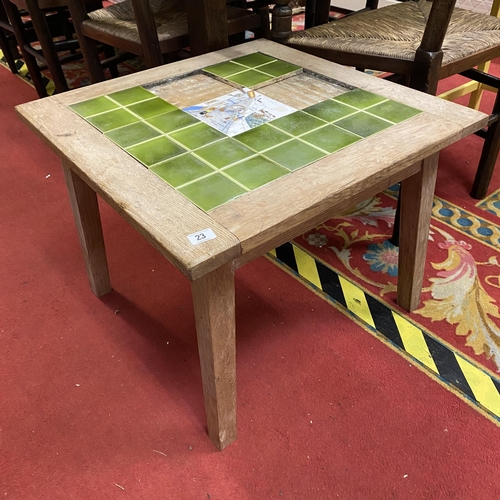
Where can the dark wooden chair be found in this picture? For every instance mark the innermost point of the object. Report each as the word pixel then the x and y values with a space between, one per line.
pixel 50 26
pixel 153 29
pixel 8 43
pixel 422 41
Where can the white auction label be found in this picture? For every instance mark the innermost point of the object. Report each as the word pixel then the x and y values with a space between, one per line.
pixel 201 236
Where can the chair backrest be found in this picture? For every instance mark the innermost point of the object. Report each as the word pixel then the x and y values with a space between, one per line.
pixel 429 55
pixel 427 62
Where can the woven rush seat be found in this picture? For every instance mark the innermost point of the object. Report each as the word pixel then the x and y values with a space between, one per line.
pixel 169 15
pixel 374 34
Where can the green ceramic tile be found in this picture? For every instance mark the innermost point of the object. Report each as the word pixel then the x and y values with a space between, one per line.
pixel 112 119
pixel 225 69
pixel 175 120
pixel 129 96
pixel 294 155
pixel 262 137
pixel 255 172
pixel 278 68
pixel 330 138
pixel 181 169
pixel 197 136
pixel 394 111
pixel 132 134
pixel 151 107
pixel 360 99
pixel 363 124
pixel 223 153
pixel 298 123
pixel 249 78
pixel 93 106
pixel 329 110
pixel 155 151
pixel 253 60
pixel 212 191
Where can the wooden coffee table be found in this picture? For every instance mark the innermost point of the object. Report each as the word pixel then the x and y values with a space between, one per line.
pixel 305 140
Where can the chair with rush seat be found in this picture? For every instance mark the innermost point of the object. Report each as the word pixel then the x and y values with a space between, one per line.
pixel 423 41
pixel 152 29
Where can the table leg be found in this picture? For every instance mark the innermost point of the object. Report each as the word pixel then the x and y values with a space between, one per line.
pixel 417 193
pixel 213 300
pixel 88 223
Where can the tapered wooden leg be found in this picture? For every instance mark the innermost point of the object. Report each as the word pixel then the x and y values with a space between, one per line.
pixel 417 193
pixel 88 224
pixel 213 300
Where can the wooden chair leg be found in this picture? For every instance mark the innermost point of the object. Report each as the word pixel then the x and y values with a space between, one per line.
pixel 213 301
pixel 7 52
pixel 489 156
pixel 47 44
pixel 265 25
pixel 397 221
pixel 18 27
pixel 87 45
pixel 91 59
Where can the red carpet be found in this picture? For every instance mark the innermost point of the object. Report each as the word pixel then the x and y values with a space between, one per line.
pixel 102 399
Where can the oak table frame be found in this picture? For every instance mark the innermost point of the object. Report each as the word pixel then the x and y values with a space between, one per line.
pixel 251 225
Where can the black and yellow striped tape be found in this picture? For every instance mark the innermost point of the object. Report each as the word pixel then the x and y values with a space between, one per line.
pixel 467 379
pixel 22 71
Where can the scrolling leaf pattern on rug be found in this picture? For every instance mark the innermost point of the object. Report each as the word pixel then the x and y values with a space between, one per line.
pixel 455 292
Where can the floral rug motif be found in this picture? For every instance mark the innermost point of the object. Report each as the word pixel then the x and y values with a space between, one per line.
pixel 460 299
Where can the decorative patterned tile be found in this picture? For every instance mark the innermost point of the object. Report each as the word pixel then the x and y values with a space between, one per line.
pixel 394 111
pixel 132 134
pixel 155 150
pixel 255 172
pixel 329 110
pixel 360 99
pixel 294 154
pixel 363 124
pixel 112 119
pixel 212 191
pixel 151 107
pixel 175 120
pixel 197 136
pixel 181 170
pixel 253 60
pixel 298 123
pixel 130 96
pixel 93 106
pixel 262 137
pixel 224 153
pixel 330 138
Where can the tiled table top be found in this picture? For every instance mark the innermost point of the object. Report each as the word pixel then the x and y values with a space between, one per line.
pixel 210 168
